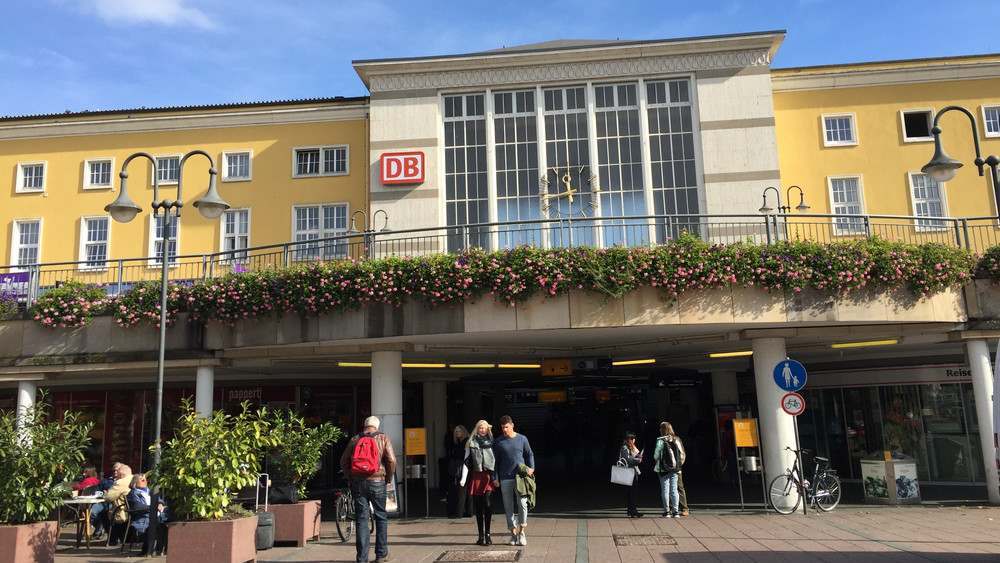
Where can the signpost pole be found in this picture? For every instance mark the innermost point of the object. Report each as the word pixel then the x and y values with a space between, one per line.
pixel 802 470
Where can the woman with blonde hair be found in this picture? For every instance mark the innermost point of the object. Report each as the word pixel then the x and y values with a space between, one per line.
pixel 667 460
pixel 477 472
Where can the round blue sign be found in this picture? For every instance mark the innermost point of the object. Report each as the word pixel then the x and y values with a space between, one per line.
pixel 790 375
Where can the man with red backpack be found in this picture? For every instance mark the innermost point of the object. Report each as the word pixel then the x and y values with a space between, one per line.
pixel 369 463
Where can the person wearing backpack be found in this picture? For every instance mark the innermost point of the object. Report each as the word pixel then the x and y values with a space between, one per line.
pixel 369 464
pixel 667 459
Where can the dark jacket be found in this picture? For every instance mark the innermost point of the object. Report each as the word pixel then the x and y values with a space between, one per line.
pixel 525 484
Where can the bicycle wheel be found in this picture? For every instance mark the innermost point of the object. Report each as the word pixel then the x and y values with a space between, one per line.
pixel 785 495
pixel 345 517
pixel 828 492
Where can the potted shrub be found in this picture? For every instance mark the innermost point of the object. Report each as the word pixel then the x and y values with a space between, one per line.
pixel 292 461
pixel 201 468
pixel 35 461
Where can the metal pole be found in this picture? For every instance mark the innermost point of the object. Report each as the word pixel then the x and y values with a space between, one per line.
pixel 163 338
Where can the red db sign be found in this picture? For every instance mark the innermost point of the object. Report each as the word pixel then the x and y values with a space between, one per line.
pixel 402 167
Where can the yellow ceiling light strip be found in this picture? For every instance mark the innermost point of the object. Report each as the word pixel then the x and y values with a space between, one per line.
pixel 888 342
pixel 472 366
pixel 519 366
pixel 731 354
pixel 634 362
pixel 354 364
pixel 406 365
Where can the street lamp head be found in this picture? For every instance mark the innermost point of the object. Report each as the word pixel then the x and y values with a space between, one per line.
pixel 802 207
pixel 385 226
pixel 354 229
pixel 765 209
pixel 123 209
pixel 941 167
pixel 211 206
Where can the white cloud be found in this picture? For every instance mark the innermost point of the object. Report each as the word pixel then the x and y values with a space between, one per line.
pixel 169 12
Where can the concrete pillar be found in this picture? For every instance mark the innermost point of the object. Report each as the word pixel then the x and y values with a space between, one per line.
pixel 204 391
pixel 26 393
pixel 724 390
pixel 387 398
pixel 436 422
pixel 982 387
pixel 777 428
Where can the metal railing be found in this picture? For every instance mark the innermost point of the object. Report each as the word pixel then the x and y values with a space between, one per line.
pixel 972 233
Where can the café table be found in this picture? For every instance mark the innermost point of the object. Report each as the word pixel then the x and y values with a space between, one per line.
pixel 80 507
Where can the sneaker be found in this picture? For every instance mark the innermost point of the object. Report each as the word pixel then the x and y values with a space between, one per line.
pixel 676 515
pixel 666 515
pixel 522 539
pixel 382 559
pixel 513 540
pixel 684 513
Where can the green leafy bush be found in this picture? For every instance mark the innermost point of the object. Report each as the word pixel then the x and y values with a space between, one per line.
pixel 36 460
pixel 298 448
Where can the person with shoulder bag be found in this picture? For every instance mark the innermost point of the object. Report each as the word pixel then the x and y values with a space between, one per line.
pixel 369 463
pixel 632 457
pixel 667 464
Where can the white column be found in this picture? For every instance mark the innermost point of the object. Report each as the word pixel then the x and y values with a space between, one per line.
pixel 724 390
pixel 204 391
pixel 777 428
pixel 387 398
pixel 982 387
pixel 436 423
pixel 26 392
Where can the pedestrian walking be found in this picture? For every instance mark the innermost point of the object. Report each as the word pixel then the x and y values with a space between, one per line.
pixel 632 457
pixel 369 463
pixel 459 503
pixel 480 463
pixel 513 450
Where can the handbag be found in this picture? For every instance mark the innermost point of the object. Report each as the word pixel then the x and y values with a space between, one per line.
pixel 622 474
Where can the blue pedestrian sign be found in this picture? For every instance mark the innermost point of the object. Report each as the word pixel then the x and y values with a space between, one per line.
pixel 790 375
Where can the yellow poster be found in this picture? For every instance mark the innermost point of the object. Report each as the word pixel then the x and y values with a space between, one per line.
pixel 416 441
pixel 745 432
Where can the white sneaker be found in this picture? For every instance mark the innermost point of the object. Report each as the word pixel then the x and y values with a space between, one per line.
pixel 522 539
pixel 513 540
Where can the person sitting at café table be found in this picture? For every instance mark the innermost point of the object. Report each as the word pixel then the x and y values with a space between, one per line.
pixel 116 496
pixel 99 513
pixel 89 478
pixel 138 502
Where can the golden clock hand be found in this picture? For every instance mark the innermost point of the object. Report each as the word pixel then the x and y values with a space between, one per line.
pixel 568 181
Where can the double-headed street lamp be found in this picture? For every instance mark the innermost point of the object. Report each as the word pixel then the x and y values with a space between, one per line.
pixel 369 228
pixel 124 210
pixel 943 167
pixel 801 207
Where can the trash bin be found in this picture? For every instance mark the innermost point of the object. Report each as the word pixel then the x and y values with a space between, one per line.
pixel 890 478
pixel 265 530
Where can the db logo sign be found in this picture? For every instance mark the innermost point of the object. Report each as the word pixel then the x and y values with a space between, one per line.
pixel 402 167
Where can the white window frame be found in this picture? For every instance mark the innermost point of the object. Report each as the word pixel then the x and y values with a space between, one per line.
pixel 239 253
pixel 15 243
pixel 88 184
pixel 854 226
pixel 155 261
pixel 339 250
pixel 225 166
pixel 930 123
pixel 322 161
pixel 85 243
pixel 156 169
pixel 929 224
pixel 21 167
pixel 854 130
pixel 991 121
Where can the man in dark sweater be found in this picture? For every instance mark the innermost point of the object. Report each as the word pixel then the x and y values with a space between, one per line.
pixel 510 450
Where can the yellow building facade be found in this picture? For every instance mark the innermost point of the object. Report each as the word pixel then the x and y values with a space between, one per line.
pixel 854 137
pixel 289 170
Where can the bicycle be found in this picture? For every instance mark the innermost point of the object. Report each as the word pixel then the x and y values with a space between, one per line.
pixel 345 514
pixel 787 489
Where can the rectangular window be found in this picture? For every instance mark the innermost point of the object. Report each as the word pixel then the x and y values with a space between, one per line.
pixel 236 234
pixel 156 238
pixel 838 130
pixel 917 124
pixel 845 197
pixel 928 201
pixel 517 175
pixel 669 116
pixel 168 169
pixel 619 161
pixel 315 222
pixel 320 161
pixel 27 242
pixel 30 177
pixel 97 173
pixel 94 242
pixel 991 119
pixel 465 168
pixel 236 166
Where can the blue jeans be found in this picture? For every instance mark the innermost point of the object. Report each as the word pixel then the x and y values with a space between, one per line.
pixel 373 492
pixel 99 517
pixel 515 506
pixel 668 492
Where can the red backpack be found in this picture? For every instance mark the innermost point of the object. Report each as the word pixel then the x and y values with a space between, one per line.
pixel 365 458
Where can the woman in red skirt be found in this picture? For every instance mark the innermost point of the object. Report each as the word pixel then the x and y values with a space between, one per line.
pixel 477 473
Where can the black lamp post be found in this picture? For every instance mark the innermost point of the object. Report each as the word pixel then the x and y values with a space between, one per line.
pixel 124 210
pixel 369 228
pixel 943 167
pixel 801 207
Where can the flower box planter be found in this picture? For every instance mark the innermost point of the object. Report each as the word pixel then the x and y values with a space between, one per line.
pixel 213 541
pixel 297 523
pixel 29 543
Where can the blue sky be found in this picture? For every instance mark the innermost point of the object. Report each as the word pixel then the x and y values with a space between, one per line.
pixel 58 55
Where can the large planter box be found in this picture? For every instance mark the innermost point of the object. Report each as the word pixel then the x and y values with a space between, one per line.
pixel 297 523
pixel 213 541
pixel 29 543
